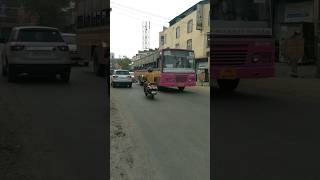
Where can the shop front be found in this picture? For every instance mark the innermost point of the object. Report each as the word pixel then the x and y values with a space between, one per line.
pixel 202 70
pixel 295 16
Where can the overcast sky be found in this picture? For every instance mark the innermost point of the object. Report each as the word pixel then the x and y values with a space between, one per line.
pixel 127 17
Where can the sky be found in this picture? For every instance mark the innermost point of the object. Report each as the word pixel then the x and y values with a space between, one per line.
pixel 126 20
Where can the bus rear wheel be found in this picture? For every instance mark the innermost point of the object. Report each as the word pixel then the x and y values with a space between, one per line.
pixel 181 89
pixel 228 85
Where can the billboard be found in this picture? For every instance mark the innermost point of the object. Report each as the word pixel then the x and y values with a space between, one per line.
pixel 299 12
pixel 3 9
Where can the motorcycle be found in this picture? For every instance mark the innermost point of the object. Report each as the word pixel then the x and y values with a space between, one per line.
pixel 150 89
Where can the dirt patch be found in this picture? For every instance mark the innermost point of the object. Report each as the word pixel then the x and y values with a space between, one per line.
pixel 10 149
pixel 13 164
pixel 130 159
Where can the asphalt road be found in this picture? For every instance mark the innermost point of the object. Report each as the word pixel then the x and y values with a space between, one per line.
pixel 175 128
pixel 62 128
pixel 267 130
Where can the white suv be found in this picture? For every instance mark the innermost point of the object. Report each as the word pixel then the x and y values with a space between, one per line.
pixel 121 77
pixel 36 50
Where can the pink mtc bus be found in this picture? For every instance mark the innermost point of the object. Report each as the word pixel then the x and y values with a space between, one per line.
pixel 242 45
pixel 171 67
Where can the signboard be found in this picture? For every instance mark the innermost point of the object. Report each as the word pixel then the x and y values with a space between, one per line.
pixel 3 8
pixel 299 12
pixel 242 31
pixel 203 65
pixel 199 17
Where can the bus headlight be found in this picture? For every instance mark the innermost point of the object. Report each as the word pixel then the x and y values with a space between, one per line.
pixel 255 59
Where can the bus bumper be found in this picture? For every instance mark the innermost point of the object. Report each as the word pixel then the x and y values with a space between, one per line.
pixel 242 72
pixel 176 84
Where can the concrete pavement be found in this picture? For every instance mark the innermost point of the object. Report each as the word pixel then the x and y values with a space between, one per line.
pixel 61 128
pixel 268 129
pixel 174 130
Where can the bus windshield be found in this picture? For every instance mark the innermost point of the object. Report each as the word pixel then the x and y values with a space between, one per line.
pixel 251 13
pixel 178 61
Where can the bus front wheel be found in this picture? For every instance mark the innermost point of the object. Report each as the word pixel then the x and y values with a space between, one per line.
pixel 228 85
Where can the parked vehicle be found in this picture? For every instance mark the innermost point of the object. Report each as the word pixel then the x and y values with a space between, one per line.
pixel 134 80
pixel 121 78
pixel 71 40
pixel 35 50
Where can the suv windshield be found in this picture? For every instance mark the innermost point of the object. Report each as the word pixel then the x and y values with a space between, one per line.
pixel 70 39
pixel 39 35
pixel 122 73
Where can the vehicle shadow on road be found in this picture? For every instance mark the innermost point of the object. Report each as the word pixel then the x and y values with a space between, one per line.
pixel 167 90
pixel 33 80
pixel 218 95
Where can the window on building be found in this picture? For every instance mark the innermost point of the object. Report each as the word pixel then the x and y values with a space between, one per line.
pixel 189 44
pixel 162 40
pixel 177 32
pixel 177 45
pixel 208 40
pixel 190 26
pixel 209 18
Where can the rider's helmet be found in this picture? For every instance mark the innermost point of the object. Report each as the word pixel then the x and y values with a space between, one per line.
pixel 149 69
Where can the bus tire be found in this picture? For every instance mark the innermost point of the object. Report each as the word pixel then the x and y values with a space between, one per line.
pixel 228 85
pixel 181 89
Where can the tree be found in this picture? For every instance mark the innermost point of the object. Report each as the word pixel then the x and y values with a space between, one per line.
pixel 124 63
pixel 49 12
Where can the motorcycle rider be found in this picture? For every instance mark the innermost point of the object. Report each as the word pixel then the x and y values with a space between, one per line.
pixel 149 78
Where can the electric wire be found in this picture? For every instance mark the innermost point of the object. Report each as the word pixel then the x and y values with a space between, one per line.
pixel 141 11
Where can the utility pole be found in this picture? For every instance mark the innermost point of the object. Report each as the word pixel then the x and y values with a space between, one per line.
pixel 145 35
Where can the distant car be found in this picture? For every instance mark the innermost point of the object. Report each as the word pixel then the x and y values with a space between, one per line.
pixel 35 50
pixel 71 40
pixel 132 77
pixel 121 77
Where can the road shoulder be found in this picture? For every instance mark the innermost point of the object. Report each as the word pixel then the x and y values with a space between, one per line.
pixel 130 158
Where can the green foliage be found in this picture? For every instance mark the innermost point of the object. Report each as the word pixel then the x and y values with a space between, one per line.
pixel 124 63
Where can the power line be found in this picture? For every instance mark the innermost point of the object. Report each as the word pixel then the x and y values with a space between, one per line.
pixel 140 14
pixel 137 17
pixel 138 10
pixel 142 17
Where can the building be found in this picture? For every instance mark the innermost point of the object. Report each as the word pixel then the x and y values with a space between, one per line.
pixel 12 13
pixel 143 53
pixel 190 30
pixel 114 62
